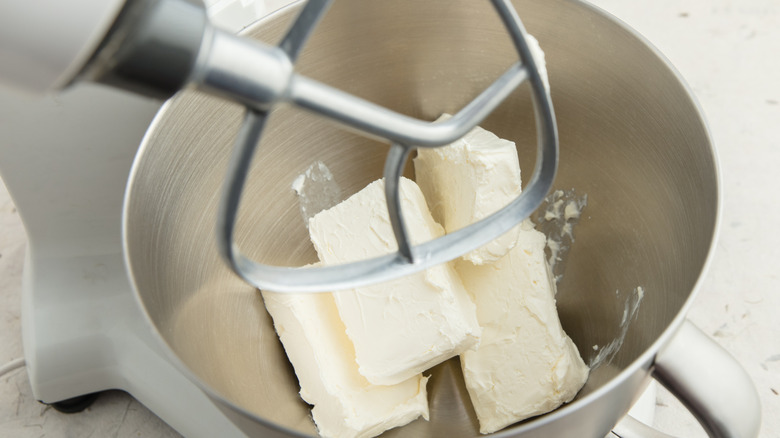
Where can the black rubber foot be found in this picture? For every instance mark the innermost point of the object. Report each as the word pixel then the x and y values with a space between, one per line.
pixel 75 404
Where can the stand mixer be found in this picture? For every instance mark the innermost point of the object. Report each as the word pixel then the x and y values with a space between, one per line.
pixel 95 336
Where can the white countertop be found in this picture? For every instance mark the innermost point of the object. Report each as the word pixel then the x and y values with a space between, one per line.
pixel 729 53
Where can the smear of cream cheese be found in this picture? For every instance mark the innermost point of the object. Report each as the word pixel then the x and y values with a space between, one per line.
pixel 631 308
pixel 317 190
pixel 557 218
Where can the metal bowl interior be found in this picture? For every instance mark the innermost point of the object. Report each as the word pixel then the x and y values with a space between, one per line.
pixel 631 139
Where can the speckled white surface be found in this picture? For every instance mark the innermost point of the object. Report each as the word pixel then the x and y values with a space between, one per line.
pixel 729 52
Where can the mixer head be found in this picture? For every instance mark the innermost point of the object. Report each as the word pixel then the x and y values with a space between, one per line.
pixel 260 76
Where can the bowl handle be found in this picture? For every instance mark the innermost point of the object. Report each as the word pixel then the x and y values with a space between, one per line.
pixel 709 382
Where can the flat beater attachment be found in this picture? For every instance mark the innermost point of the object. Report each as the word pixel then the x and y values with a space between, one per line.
pixel 281 84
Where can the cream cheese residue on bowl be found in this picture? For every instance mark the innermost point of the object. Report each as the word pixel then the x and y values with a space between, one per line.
pixel 317 190
pixel 631 308
pixel 557 218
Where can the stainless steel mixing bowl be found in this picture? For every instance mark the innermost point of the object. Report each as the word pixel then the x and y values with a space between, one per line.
pixel 631 138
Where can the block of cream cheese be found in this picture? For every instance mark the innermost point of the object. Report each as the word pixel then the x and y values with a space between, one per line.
pixel 345 404
pixel 469 180
pixel 401 327
pixel 525 364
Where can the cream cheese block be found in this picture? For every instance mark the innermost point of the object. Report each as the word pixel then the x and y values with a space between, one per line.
pixel 469 180
pixel 401 327
pixel 345 404
pixel 525 364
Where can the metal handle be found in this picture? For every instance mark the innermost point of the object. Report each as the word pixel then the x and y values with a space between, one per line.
pixel 709 382
pixel 403 132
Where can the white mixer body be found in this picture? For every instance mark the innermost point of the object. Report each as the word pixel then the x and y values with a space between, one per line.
pixel 43 44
